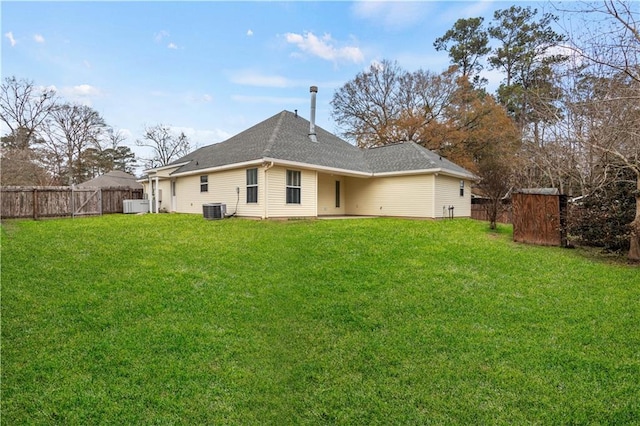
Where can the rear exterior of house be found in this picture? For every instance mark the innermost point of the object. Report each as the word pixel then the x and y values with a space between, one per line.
pixel 286 167
pixel 261 191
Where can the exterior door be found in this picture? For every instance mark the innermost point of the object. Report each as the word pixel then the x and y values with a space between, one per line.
pixel 174 202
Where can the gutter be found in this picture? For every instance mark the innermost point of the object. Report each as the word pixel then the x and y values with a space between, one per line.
pixel 345 172
pixel 266 189
pixel 168 166
pixel 220 168
pixel 435 171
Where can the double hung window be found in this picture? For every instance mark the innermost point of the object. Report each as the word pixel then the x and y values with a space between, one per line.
pixel 204 183
pixel 293 187
pixel 252 185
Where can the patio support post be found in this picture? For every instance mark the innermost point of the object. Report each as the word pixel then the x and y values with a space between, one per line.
pixel 157 191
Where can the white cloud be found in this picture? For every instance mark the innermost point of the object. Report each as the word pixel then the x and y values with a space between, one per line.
pixel 249 33
pixel 159 36
pixel 324 47
pixel 126 133
pixel 38 38
pixel 252 78
pixel 12 40
pixel 82 93
pixel 85 90
pixel 392 15
pixel 192 98
pixel 198 138
pixel 172 46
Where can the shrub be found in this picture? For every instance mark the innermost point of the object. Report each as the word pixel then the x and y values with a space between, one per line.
pixel 602 218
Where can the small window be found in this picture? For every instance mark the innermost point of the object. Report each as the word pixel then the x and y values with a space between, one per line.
pixel 462 188
pixel 252 185
pixel 204 183
pixel 293 187
pixel 337 193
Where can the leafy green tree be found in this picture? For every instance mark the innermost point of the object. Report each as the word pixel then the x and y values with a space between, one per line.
pixel 467 42
pixel 526 57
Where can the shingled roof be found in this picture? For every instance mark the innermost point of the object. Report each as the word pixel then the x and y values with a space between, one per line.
pixel 114 178
pixel 408 156
pixel 285 137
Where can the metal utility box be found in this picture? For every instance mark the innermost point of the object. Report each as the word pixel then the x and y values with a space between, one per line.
pixel 214 210
pixel 135 206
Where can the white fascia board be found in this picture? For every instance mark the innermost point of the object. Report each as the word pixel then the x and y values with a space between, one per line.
pixel 427 172
pixel 334 170
pixel 159 169
pixel 220 168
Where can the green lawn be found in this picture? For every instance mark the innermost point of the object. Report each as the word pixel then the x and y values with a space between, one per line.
pixel 173 319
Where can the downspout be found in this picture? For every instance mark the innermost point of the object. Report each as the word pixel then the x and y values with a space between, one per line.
pixel 150 194
pixel 266 189
pixel 156 192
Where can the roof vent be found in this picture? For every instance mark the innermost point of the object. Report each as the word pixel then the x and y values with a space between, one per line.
pixel 312 122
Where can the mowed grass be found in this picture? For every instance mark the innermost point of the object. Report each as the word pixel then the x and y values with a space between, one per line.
pixel 173 319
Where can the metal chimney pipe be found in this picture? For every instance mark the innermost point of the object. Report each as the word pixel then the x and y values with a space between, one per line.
pixel 312 122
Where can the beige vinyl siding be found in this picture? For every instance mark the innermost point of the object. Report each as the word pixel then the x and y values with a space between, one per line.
pixel 277 201
pixel 448 194
pixel 327 194
pixel 164 195
pixel 221 189
pixel 408 196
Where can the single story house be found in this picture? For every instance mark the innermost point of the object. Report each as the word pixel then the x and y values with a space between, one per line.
pixel 287 167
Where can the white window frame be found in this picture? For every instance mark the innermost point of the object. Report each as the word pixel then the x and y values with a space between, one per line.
pixel 294 187
pixel 204 183
pixel 252 187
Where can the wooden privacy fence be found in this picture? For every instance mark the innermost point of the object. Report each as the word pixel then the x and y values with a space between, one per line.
pixel 479 212
pixel 539 218
pixel 60 201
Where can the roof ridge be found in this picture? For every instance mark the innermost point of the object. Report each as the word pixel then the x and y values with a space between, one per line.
pixel 274 134
pixel 423 151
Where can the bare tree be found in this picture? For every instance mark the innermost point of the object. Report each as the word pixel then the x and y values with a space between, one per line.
pixel 612 50
pixel 24 108
pixel 166 145
pixel 386 104
pixel 71 131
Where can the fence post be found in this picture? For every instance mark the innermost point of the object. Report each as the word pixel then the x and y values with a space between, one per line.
pixel 35 203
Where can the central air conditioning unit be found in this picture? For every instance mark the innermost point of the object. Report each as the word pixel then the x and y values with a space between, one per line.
pixel 214 210
pixel 135 206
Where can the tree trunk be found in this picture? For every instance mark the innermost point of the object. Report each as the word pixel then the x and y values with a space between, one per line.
pixel 634 246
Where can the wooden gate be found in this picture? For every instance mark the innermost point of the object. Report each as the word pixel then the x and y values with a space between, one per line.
pixel 539 217
pixel 85 202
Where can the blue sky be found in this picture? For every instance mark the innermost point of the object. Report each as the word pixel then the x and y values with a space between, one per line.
pixel 213 69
